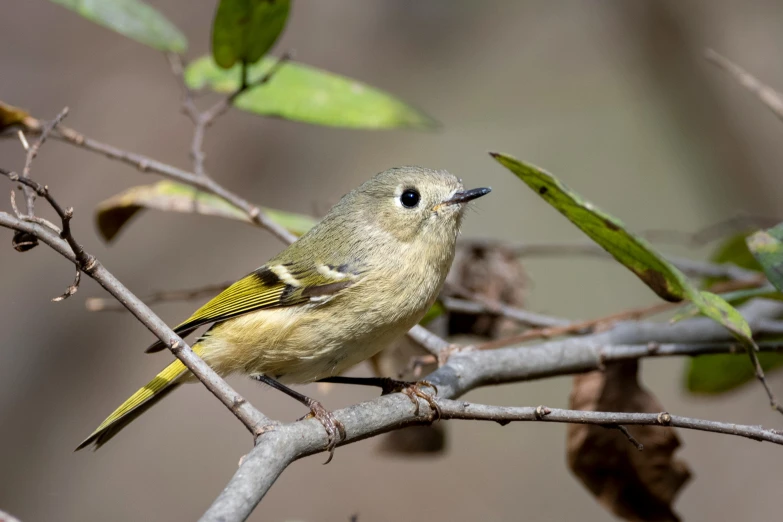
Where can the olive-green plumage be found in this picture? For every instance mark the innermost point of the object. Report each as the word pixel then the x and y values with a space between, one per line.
pixel 342 292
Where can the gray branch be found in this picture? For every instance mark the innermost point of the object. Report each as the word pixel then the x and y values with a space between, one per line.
pixel 466 370
pixel 253 419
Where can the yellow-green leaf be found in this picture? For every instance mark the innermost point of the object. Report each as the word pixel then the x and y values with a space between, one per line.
pixel 767 248
pixel 733 297
pixel 629 249
pixel 245 30
pixel 114 213
pixel 723 372
pixel 302 93
pixel 131 18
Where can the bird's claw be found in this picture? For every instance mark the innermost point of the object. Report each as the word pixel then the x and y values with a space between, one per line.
pixel 414 391
pixel 335 431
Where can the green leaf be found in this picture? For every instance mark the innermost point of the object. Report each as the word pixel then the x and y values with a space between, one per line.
pixel 114 213
pixel 435 311
pixel 632 251
pixel 131 18
pixel 245 30
pixel 733 297
pixel 302 93
pixel 733 250
pixel 609 232
pixel 723 372
pixel 767 248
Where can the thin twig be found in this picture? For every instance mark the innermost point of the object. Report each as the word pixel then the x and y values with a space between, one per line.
pixel 32 152
pixel 65 244
pixel 580 326
pixel 485 306
pixel 710 233
pixel 622 429
pixel 688 266
pixel 202 120
pixel 503 414
pixel 107 304
pixel 767 95
pixel 428 340
pixel 71 289
pixel 275 450
pixel 147 164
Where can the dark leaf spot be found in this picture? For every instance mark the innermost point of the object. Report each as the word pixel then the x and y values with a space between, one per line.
pixel 543 190
pixel 611 225
pixel 657 282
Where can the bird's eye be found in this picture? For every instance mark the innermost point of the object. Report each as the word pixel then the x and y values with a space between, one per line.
pixel 410 198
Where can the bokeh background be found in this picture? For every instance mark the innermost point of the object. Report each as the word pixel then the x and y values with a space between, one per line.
pixel 612 96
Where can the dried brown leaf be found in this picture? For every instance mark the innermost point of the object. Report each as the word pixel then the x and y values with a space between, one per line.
pixel 634 485
pixel 491 272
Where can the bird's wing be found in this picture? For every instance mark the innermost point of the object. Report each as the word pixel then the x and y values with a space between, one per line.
pixel 271 286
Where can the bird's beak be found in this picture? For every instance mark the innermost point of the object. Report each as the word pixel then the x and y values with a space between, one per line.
pixel 466 195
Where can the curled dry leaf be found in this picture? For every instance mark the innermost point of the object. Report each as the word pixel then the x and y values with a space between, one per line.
pixel 634 485
pixel 490 272
pixel 114 213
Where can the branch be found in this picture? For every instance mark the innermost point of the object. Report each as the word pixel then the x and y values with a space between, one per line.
pixel 5 517
pixel 32 152
pixel 688 266
pixel 485 306
pixel 767 95
pixel 66 245
pixel 467 370
pixel 504 414
pixel 147 164
pixel 107 304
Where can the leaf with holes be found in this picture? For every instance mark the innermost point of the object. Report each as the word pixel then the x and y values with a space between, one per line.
pixel 114 213
pixel 244 30
pixel 134 19
pixel 302 93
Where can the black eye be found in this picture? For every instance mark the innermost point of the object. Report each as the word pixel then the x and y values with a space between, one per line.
pixel 410 198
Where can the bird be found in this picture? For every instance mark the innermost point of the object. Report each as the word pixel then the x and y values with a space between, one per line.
pixel 342 292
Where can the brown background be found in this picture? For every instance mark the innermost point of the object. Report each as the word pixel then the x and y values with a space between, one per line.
pixel 612 96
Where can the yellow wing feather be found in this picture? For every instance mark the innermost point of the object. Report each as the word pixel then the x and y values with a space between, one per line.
pixel 136 404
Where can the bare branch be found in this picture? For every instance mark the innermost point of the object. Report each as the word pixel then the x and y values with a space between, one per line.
pixel 688 266
pixel 147 164
pixel 767 95
pixel 71 289
pixel 65 244
pixel 107 304
pixel 428 340
pixel 32 152
pixel 202 120
pixel 5 517
pixel 485 306
pixel 470 369
pixel 581 326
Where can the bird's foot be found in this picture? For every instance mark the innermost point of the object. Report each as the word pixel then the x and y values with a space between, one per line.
pixel 335 431
pixel 414 390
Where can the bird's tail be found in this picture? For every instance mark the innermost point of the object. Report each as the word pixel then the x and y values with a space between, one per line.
pixel 163 383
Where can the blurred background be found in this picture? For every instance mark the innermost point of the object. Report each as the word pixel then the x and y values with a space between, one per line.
pixel 614 97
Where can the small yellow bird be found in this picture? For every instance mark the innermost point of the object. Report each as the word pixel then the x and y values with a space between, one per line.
pixel 345 290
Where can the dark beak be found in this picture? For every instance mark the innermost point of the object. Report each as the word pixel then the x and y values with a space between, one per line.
pixel 467 195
